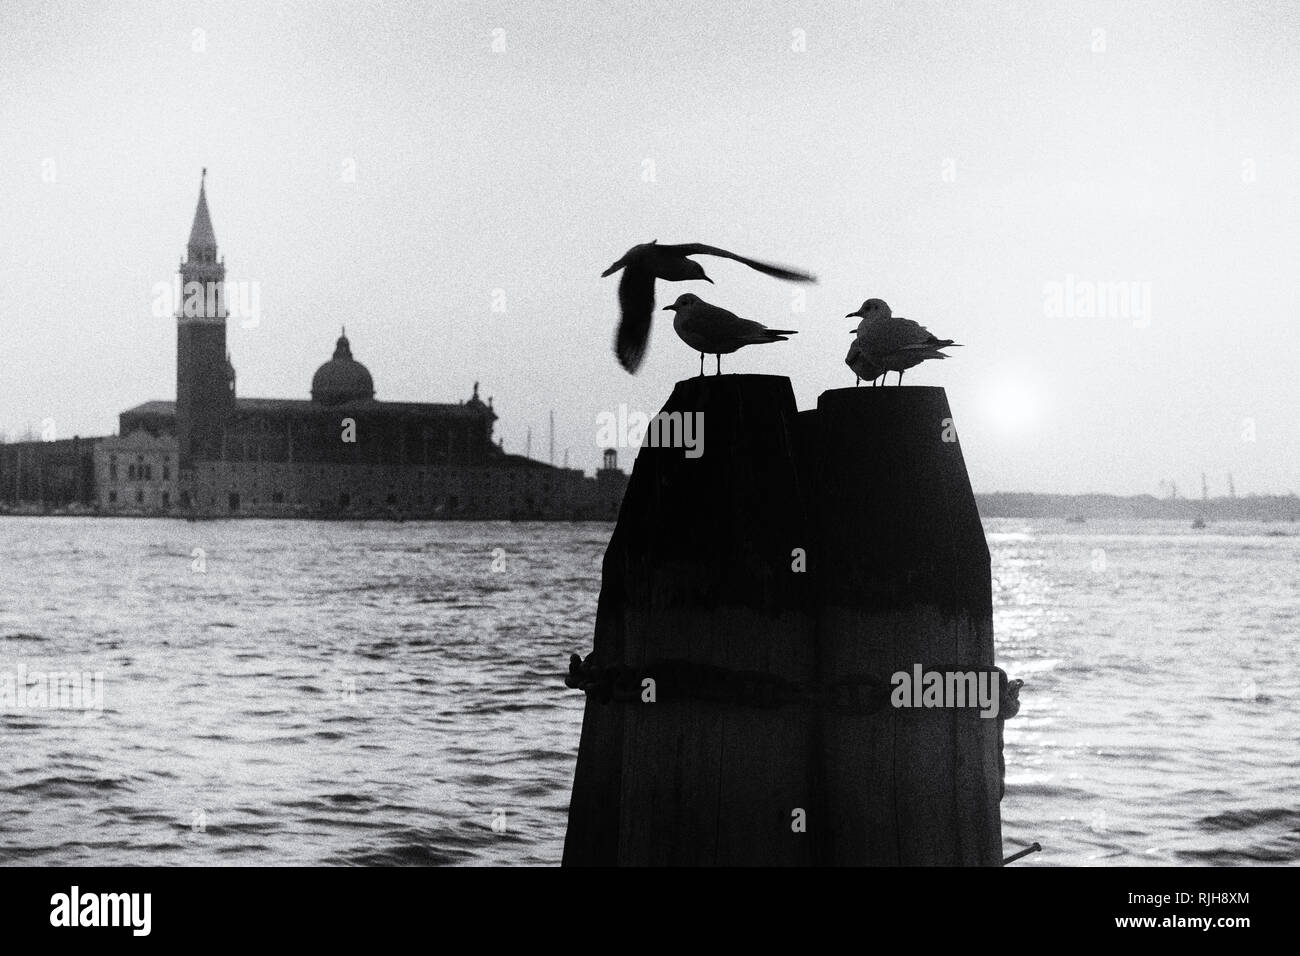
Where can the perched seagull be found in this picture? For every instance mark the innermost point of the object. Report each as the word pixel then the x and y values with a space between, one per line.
pixel 717 332
pixel 861 365
pixel 643 264
pixel 891 344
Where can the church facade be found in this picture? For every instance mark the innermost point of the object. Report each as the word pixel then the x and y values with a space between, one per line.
pixel 339 453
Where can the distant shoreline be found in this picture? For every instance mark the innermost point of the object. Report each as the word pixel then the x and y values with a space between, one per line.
pixel 1004 504
pixel 387 519
pixel 999 504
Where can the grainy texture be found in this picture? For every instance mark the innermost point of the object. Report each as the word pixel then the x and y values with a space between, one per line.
pixel 701 568
pixel 903 576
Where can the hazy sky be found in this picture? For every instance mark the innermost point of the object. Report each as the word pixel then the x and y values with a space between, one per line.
pixel 953 160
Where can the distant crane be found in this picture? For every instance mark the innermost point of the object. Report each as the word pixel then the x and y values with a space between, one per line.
pixel 1232 492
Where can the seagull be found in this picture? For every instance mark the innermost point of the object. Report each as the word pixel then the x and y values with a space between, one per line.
pixel 643 264
pixel 891 344
pixel 861 365
pixel 717 332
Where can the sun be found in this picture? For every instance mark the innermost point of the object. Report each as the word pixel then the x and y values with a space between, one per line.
pixel 1012 407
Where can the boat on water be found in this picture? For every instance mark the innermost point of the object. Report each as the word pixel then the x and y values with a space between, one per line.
pixel 1075 519
pixel 1198 523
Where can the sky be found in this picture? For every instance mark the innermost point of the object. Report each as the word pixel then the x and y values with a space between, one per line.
pixel 1100 201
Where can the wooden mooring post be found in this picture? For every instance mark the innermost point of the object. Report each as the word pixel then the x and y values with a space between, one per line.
pixel 755 601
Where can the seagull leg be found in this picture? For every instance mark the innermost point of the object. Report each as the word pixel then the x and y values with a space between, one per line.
pixel 900 377
pixel 718 356
pixel 857 380
pixel 701 365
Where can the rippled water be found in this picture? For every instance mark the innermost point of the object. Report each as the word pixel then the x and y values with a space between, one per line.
pixel 1163 671
pixel 298 692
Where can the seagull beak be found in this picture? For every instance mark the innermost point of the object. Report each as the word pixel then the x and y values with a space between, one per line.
pixel 708 280
pixel 670 308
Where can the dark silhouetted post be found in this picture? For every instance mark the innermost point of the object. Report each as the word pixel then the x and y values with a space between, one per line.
pixel 753 601
pixel 903 579
pixel 698 592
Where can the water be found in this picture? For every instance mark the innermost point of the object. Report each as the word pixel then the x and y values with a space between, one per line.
pixel 373 693
pixel 1159 723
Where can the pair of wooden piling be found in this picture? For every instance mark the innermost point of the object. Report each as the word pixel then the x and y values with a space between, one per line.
pixel 755 601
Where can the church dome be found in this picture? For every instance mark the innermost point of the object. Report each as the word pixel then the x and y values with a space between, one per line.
pixel 342 378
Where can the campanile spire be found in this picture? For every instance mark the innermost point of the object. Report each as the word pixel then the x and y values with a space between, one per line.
pixel 202 246
pixel 204 377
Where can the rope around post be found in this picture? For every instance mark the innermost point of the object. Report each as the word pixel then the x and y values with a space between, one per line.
pixel 688 680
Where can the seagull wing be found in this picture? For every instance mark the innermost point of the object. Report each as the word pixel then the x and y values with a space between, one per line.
pixel 899 335
pixel 918 336
pixel 721 321
pixel 729 326
pixel 910 332
pixel 780 272
pixel 859 363
pixel 748 330
pixel 630 258
pixel 636 297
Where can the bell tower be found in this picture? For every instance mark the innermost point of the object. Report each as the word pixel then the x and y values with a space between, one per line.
pixel 205 384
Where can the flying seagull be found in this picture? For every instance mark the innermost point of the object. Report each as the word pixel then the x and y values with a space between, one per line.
pixel 643 264
pixel 888 344
pixel 717 332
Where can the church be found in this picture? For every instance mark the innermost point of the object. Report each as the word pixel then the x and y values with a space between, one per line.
pixel 339 453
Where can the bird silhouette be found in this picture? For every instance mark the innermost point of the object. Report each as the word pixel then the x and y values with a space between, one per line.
pixel 717 332
pixel 1009 704
pixel 891 344
pixel 643 264
pixel 862 366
